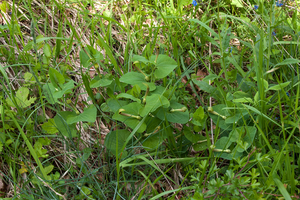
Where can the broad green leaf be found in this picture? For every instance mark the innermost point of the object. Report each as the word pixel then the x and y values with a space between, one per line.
pixel 84 59
pixel 153 102
pixel 29 77
pixel 235 118
pixel 243 100
pixel 115 104
pixel 115 140
pixel 240 94
pixel 97 82
pixel 89 115
pixel 208 88
pixel 164 65
pixel 22 98
pixel 49 168
pixel 128 96
pixel 131 109
pixel 191 136
pixel 135 91
pixel 97 55
pixel 201 146
pixel 237 3
pixel 53 94
pixel 50 127
pixel 174 117
pixel 47 50
pixel 223 143
pixel 279 86
pixel 56 78
pixel 68 130
pixel 210 77
pixel 153 141
pixel 199 118
pixel 136 78
pixel 140 59
pixel 4 6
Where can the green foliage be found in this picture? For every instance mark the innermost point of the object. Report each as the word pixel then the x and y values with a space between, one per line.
pixel 150 100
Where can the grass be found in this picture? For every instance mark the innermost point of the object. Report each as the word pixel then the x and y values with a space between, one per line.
pixel 149 100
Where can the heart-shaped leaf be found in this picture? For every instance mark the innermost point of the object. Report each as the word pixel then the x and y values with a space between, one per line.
pixel 136 78
pixel 68 130
pixel 153 102
pixel 22 98
pixel 115 140
pixel 132 122
pixel 175 117
pixel 164 65
pixel 89 115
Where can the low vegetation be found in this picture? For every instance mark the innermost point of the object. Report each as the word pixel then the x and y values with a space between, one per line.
pixel 149 99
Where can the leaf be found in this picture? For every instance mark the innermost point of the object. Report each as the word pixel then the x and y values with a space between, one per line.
pixel 50 127
pixel 140 59
pixel 200 146
pixel 236 117
pixel 53 94
pixel 84 59
pixel 174 117
pixel 237 3
pixel 96 82
pixel 115 140
pixel 223 143
pixel 210 77
pixel 68 130
pixel 29 77
pixel 47 50
pixel 240 94
pixel 21 98
pixel 281 188
pixel 89 115
pixel 164 65
pixel 131 109
pixel 4 6
pixel 48 169
pixel 153 102
pixel 154 141
pixel 128 96
pixel 279 86
pixel 194 138
pixel 288 61
pixel 136 78
pixel 115 104
pixel 56 77
pixel 86 154
pixel 243 100
pixel 208 88
pixel 199 118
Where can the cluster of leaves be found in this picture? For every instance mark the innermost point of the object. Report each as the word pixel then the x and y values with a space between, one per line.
pixel 254 115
